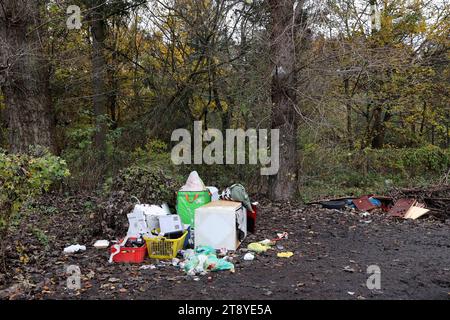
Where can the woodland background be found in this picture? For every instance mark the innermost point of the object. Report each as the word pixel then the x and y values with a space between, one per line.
pixel 359 90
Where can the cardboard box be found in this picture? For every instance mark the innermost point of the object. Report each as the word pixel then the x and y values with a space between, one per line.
pixel 220 224
pixel 170 224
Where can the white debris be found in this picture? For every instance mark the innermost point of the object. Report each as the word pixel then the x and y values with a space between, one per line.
pixel 147 267
pixel 101 244
pixel 175 262
pixel 249 257
pixel 194 183
pixel 74 248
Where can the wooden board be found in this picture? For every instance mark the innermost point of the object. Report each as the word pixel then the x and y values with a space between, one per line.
pixel 415 213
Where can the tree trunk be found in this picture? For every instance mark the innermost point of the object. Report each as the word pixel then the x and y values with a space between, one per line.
pixel 24 76
pixel 349 113
pixel 283 185
pixel 447 140
pixel 379 127
pixel 99 72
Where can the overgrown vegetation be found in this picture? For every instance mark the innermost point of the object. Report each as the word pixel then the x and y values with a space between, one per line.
pixel 24 177
pixel 327 172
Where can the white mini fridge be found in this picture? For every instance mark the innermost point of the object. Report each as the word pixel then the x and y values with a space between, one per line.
pixel 221 225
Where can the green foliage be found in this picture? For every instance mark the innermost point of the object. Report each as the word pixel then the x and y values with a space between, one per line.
pixel 25 176
pixel 341 173
pixel 148 184
pixel 41 236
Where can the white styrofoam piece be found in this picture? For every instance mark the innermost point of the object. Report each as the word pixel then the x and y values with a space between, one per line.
pixel 101 244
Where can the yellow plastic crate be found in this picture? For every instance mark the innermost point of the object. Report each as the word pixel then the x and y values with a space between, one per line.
pixel 163 248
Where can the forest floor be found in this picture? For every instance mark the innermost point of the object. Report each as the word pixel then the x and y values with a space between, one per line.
pixel 332 251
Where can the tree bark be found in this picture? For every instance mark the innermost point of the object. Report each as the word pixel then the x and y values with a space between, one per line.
pixel 99 72
pixel 283 186
pixel 24 76
pixel 349 113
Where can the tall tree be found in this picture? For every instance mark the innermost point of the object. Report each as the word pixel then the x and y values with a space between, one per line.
pixel 24 75
pixel 99 72
pixel 286 16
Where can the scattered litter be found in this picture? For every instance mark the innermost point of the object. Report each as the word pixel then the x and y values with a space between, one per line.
pixel 74 249
pixel 205 260
pixel 365 214
pixel 349 269
pixel 249 257
pixel 148 267
pixel 267 242
pixel 415 213
pixel 175 262
pixel 282 236
pixel 285 254
pixel 351 293
pixel 101 244
pixel 258 247
pixel 401 207
pixel 338 204
pixel 408 209
pixel 366 203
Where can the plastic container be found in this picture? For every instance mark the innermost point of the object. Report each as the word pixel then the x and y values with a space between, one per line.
pixel 188 201
pixel 163 248
pixel 129 255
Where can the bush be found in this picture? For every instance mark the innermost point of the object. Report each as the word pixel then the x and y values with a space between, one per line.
pixel 149 185
pixel 23 177
pixel 326 172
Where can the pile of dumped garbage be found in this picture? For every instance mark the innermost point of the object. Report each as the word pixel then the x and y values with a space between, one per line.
pixel 197 238
pixel 402 203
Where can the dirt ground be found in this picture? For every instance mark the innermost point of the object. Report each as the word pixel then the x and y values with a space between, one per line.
pixel 332 250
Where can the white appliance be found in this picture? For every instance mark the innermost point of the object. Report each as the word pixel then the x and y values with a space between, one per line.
pixel 221 225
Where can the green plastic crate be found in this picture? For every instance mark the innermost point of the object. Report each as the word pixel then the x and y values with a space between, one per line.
pixel 188 201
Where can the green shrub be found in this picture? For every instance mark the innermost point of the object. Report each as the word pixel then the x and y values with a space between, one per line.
pixel 335 171
pixel 148 184
pixel 23 177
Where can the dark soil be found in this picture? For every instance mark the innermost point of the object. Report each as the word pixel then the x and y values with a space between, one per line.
pixel 332 250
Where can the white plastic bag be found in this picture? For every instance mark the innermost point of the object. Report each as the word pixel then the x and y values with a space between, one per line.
pixel 194 183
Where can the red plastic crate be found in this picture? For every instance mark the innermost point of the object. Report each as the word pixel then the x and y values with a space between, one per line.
pixel 130 255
